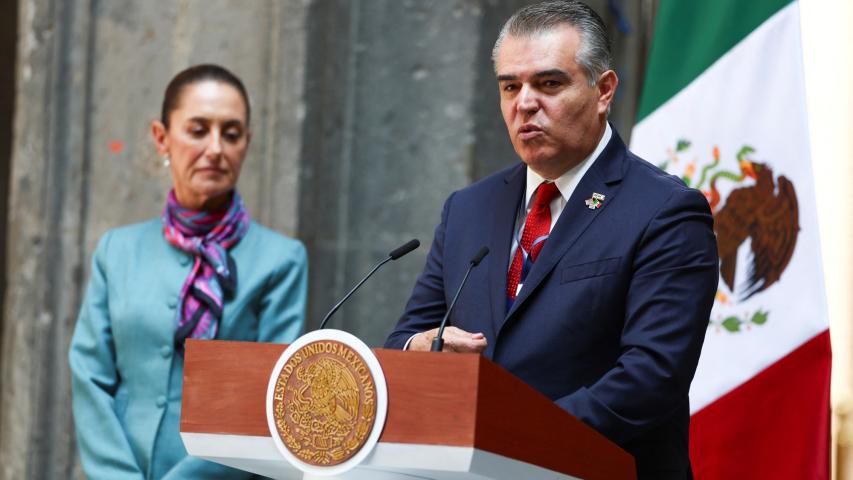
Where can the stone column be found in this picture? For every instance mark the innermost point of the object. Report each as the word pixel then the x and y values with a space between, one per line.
pixel 389 134
pixel 46 210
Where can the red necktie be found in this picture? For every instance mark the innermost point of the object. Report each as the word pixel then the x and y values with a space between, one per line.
pixel 536 229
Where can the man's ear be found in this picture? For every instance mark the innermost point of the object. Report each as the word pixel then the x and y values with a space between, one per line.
pixel 606 84
pixel 158 133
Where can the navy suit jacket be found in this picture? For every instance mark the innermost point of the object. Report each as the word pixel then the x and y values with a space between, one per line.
pixel 611 318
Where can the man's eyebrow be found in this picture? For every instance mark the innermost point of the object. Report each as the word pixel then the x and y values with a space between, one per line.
pixel 553 72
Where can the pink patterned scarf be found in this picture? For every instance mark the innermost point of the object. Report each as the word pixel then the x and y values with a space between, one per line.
pixel 206 236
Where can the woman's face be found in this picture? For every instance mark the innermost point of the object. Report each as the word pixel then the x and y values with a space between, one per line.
pixel 206 142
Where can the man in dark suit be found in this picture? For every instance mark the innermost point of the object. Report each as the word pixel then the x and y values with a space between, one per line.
pixel 602 269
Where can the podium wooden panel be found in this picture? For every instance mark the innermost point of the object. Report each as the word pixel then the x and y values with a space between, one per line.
pixel 444 411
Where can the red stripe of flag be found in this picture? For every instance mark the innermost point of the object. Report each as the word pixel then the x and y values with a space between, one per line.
pixel 776 425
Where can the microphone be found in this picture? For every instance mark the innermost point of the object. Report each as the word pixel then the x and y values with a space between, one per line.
pixel 438 341
pixel 403 249
pixel 394 255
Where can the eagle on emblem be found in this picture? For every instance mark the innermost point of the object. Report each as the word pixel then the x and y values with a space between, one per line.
pixel 330 391
pixel 765 212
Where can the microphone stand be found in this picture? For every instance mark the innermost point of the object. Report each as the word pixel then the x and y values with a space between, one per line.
pixel 438 341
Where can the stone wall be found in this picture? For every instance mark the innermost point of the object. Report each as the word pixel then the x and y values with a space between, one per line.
pixel 366 115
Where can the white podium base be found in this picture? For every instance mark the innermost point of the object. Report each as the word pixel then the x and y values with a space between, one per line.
pixel 365 474
pixel 388 461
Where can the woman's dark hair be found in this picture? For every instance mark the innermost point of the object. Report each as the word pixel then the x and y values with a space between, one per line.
pixel 196 74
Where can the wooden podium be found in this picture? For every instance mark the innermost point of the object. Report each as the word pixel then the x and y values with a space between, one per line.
pixel 450 416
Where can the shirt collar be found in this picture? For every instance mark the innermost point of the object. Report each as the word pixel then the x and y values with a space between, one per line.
pixel 567 182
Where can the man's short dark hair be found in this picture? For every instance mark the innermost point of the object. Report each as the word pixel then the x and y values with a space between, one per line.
pixel 594 52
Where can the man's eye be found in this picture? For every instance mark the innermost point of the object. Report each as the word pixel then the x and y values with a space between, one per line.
pixel 551 83
pixel 510 87
pixel 198 132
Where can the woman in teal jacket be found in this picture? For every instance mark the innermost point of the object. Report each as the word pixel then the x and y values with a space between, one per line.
pixel 203 270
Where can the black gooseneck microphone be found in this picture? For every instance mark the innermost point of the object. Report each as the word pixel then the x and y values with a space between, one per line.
pixel 394 255
pixel 438 341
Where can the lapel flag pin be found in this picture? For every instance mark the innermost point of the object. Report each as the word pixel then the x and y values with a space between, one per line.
pixel 595 202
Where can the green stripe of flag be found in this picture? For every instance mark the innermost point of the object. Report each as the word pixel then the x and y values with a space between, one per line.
pixel 690 35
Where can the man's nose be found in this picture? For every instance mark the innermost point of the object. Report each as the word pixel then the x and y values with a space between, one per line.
pixel 528 100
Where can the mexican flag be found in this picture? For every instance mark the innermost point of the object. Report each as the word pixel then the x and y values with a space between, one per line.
pixel 723 107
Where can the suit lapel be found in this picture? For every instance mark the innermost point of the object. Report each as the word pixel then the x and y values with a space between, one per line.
pixel 602 177
pixel 500 239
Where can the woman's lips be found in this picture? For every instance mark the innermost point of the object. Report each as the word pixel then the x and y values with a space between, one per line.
pixel 213 170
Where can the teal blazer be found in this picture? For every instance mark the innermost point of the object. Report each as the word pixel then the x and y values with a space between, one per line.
pixel 125 376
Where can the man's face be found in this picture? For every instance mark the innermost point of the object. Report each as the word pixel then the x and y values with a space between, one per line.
pixel 553 116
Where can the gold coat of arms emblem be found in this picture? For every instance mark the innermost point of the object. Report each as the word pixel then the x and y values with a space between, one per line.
pixel 324 403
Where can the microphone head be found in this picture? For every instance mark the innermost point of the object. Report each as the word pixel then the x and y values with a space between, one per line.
pixel 404 249
pixel 481 254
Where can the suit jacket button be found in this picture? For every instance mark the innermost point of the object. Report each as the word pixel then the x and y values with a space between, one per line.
pixel 161 401
pixel 166 351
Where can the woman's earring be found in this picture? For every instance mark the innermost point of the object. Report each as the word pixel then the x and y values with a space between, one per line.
pixel 166 161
